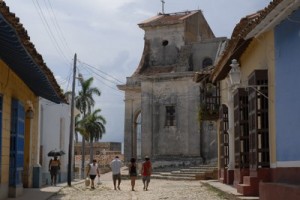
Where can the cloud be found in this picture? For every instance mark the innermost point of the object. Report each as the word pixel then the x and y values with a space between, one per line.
pixel 105 35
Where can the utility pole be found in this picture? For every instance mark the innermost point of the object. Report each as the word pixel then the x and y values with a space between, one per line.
pixel 71 125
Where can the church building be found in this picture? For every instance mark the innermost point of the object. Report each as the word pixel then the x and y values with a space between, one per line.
pixel 162 99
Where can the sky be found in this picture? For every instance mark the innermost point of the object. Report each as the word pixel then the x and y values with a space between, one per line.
pixel 107 40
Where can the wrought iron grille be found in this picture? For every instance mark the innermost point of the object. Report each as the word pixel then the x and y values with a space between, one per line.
pixel 241 128
pixel 224 138
pixel 258 119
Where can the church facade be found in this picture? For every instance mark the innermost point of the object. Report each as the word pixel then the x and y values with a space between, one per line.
pixel 162 99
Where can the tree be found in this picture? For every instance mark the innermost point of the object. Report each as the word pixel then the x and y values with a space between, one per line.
pixel 84 103
pixel 94 126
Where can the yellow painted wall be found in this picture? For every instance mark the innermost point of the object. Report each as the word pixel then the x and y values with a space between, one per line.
pixel 11 86
pixel 260 55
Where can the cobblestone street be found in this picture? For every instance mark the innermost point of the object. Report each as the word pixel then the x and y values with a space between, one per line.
pixel 158 189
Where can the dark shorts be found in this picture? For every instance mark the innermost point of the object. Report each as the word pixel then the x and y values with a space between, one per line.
pixel 92 177
pixel 54 170
pixel 146 179
pixel 116 176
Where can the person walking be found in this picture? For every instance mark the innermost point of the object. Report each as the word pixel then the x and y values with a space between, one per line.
pixel 132 172
pixel 54 166
pixel 146 172
pixel 116 165
pixel 93 171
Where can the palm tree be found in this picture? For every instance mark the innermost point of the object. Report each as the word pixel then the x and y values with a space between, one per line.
pixel 84 103
pixel 94 126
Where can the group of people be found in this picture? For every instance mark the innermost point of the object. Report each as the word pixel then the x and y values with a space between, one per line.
pixel 145 172
pixel 116 165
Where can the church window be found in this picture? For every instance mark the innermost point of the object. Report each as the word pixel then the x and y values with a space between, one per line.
pixel 165 43
pixel 191 64
pixel 207 62
pixel 170 115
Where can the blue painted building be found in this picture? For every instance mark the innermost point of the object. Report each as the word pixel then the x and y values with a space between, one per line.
pixel 287 87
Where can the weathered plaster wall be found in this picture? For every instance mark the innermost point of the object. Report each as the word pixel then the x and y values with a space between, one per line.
pixel 204 49
pixel 132 107
pixel 182 139
pixel 160 54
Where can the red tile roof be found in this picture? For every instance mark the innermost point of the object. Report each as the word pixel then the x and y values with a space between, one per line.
pixel 238 43
pixel 167 19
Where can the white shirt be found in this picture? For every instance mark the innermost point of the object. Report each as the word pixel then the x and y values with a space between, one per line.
pixel 93 169
pixel 116 165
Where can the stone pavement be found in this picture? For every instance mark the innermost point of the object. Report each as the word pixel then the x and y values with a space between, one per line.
pixel 158 189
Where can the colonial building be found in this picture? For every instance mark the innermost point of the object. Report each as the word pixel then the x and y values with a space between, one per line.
pixel 259 120
pixel 162 100
pixel 24 77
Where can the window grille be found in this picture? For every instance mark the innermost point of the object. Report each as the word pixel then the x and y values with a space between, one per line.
pixel 224 138
pixel 241 128
pixel 258 120
pixel 210 101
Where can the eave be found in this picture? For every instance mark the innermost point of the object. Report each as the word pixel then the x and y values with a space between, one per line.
pixel 21 57
pixel 248 28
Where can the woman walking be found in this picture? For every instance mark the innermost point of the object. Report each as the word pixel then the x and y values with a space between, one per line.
pixel 132 172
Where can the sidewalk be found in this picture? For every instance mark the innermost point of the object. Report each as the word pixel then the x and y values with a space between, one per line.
pixel 43 193
pixel 46 192
pixel 229 191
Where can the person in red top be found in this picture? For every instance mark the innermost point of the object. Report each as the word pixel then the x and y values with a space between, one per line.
pixel 146 172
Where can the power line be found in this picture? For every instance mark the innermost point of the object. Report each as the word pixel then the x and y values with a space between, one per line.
pixel 48 30
pixel 57 26
pixel 102 72
pixel 93 73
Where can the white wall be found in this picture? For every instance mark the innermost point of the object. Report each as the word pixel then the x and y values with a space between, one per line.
pixel 54 134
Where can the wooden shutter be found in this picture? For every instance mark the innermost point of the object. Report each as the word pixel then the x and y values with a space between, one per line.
pixel 16 161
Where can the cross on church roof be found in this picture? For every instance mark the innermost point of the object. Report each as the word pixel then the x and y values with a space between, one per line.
pixel 163 6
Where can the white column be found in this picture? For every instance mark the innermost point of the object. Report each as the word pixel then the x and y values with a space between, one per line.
pixel 230 127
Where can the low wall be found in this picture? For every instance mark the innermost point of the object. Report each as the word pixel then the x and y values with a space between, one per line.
pixel 278 191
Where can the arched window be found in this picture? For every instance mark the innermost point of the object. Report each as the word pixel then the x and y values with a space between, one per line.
pixel 191 64
pixel 207 62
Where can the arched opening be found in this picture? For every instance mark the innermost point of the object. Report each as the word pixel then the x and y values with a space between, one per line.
pixel 207 62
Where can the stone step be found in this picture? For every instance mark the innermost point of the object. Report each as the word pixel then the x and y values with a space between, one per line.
pixel 195 170
pixel 173 177
pixel 176 174
pixel 202 172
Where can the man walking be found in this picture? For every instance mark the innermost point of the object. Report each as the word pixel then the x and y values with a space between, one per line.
pixel 146 172
pixel 116 165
